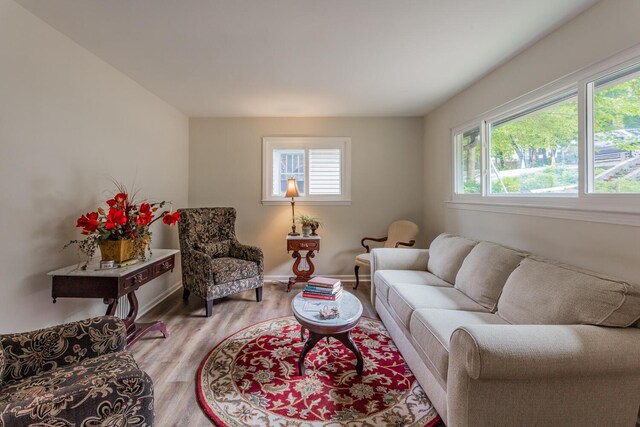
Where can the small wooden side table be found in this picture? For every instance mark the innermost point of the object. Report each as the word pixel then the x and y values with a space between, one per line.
pixel 296 244
pixel 110 285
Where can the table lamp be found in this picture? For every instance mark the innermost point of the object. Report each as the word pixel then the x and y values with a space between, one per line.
pixel 292 191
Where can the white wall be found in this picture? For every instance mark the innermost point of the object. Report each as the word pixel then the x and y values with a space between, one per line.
pixel 68 124
pixel 608 27
pixel 226 166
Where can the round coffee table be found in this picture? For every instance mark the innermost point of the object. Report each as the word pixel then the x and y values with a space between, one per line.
pixel 350 310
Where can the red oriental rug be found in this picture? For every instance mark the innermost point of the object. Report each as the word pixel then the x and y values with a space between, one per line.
pixel 251 379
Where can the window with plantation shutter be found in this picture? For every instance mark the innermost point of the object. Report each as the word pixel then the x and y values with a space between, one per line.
pixel 325 176
pixel 320 165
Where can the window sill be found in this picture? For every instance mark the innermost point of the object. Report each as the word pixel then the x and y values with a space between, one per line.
pixel 576 213
pixel 306 202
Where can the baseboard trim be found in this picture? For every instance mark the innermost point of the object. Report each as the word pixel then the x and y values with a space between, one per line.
pixel 144 309
pixel 342 277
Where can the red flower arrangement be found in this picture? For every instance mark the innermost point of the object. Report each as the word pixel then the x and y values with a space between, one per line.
pixel 125 219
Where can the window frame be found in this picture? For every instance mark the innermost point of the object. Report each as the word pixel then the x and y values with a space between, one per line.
pixel 615 208
pixel 270 143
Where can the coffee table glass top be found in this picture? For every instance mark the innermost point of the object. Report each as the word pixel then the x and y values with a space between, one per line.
pixel 349 307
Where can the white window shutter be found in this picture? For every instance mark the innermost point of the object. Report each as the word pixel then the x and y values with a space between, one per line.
pixel 325 174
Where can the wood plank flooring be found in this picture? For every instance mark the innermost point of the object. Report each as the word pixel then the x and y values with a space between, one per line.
pixel 172 363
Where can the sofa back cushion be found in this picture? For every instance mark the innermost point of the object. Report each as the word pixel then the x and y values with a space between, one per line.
pixel 446 254
pixel 485 271
pixel 542 292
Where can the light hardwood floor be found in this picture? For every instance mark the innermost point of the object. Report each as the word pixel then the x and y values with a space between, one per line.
pixel 172 363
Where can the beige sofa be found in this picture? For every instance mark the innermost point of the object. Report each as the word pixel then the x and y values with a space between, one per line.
pixel 497 337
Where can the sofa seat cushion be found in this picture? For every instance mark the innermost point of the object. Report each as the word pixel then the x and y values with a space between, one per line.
pixel 431 329
pixel 386 279
pixel 103 378
pixel 485 271
pixel 227 270
pixel 446 254
pixel 543 292
pixel 405 298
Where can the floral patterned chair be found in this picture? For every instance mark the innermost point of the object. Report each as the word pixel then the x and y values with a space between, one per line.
pixel 214 263
pixel 73 375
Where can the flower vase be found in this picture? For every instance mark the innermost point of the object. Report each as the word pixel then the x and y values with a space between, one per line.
pixel 306 230
pixel 117 250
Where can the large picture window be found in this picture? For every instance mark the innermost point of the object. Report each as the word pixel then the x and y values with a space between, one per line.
pixel 570 149
pixel 320 166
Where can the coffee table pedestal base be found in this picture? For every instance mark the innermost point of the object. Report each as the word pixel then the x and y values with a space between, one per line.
pixel 343 337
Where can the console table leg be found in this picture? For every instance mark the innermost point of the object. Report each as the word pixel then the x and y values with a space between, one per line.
pixel 133 310
pixel 111 308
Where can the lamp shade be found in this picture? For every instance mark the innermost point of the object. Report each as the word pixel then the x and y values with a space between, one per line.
pixel 292 188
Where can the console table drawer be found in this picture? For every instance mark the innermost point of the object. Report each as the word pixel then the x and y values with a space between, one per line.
pixel 163 266
pixel 303 245
pixel 135 280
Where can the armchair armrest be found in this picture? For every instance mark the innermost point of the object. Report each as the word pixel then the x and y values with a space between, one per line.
pixel 248 253
pixel 196 265
pixel 29 353
pixel 373 239
pixel 510 372
pixel 409 243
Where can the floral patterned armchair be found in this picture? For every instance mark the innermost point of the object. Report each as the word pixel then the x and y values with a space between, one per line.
pixel 75 374
pixel 214 263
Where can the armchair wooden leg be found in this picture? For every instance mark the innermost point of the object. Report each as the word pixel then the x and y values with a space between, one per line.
pixel 185 294
pixel 208 305
pixel 357 278
pixel 259 294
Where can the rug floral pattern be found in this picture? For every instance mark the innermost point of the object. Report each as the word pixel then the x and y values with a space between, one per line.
pixel 251 378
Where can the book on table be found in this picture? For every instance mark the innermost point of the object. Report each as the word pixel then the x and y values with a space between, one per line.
pixel 333 297
pixel 324 282
pixel 326 291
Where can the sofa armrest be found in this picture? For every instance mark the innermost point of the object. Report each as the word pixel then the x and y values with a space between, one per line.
pixel 399 259
pixel 543 374
pixel 29 353
pixel 396 259
pixel 537 351
pixel 248 253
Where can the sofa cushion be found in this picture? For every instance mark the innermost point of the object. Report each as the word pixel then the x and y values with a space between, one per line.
pixel 446 254
pixel 405 298
pixel 432 328
pixel 485 271
pixel 542 292
pixel 227 270
pixel 215 249
pixel 385 279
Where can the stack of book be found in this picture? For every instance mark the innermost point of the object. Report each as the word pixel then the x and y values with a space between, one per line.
pixel 323 288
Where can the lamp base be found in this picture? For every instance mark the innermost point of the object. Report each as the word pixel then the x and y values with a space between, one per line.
pixel 293 234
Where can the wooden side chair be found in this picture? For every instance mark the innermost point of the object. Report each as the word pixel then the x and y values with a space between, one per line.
pixel 400 233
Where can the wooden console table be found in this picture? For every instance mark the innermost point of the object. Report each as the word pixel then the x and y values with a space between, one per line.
pixel 110 285
pixel 296 244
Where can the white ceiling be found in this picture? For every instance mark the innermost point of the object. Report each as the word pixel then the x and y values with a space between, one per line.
pixel 305 57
